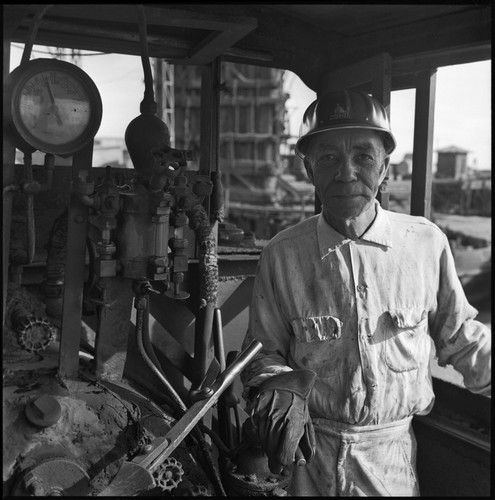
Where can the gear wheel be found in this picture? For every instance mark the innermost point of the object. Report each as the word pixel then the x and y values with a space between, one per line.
pixel 35 335
pixel 169 474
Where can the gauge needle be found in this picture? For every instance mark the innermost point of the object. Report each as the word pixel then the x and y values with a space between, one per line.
pixel 54 106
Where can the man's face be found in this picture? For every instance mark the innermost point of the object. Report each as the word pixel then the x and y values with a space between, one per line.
pixel 347 167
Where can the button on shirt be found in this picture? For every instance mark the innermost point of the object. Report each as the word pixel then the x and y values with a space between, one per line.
pixel 361 314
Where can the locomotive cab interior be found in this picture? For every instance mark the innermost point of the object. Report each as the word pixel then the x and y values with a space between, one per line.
pixel 126 295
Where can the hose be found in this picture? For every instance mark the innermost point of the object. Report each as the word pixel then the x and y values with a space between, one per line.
pixel 148 103
pixel 32 34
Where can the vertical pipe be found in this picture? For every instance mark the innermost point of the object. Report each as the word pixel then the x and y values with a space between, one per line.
pixel 423 144
pixel 31 228
pixel 223 410
pixel 210 104
pixel 70 334
pixel 8 160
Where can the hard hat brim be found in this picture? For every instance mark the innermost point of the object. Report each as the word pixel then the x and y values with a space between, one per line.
pixel 302 143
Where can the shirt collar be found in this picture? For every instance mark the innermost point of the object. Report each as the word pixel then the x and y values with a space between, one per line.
pixel 380 233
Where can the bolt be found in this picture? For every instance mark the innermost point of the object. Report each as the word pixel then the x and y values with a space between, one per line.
pixel 146 449
pixel 56 492
pixel 34 485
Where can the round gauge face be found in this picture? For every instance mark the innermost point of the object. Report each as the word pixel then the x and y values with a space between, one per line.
pixel 56 107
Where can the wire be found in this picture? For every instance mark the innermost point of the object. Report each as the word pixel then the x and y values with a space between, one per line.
pixel 149 94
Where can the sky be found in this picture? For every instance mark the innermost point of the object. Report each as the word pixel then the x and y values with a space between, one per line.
pixel 462 109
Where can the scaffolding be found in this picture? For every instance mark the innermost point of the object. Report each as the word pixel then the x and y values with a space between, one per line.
pixel 165 94
pixel 252 130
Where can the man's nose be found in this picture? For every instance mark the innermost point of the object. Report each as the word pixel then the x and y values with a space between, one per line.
pixel 347 171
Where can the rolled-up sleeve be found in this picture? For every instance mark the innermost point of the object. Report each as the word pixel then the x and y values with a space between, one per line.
pixel 460 340
pixel 268 325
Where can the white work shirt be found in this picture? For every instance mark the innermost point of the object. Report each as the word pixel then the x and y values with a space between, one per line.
pixel 361 313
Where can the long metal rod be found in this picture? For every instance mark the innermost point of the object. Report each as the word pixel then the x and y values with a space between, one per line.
pixel 454 430
pixel 184 426
pixel 31 229
pixel 141 331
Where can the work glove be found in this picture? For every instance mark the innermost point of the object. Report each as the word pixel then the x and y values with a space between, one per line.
pixel 280 420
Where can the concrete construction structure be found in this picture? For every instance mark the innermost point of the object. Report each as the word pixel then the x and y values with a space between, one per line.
pixel 261 194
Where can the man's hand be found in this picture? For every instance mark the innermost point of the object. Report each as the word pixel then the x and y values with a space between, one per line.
pixel 280 420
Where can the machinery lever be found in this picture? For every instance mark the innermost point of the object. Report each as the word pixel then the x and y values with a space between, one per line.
pixel 136 476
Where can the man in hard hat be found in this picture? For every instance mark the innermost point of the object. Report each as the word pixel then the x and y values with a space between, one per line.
pixel 346 304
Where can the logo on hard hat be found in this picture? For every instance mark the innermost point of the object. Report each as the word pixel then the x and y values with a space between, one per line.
pixel 339 113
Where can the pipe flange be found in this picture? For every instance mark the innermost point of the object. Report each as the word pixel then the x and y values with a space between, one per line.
pixel 169 474
pixel 36 335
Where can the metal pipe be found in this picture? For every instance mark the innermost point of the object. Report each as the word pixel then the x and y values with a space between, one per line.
pixel 31 232
pixel 141 325
pixel 218 339
pixel 34 187
pixel 224 422
pixel 203 340
pixel 33 32
pixel 149 93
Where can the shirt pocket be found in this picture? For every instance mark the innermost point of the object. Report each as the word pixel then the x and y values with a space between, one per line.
pixel 317 328
pixel 405 339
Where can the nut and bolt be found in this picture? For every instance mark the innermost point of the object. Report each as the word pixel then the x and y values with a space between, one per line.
pixel 146 449
pixel 56 492
pixel 34 485
pixel 43 411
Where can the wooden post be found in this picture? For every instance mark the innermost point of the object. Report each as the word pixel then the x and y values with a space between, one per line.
pixel 423 144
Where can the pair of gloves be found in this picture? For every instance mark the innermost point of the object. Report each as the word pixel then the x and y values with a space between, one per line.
pixel 280 422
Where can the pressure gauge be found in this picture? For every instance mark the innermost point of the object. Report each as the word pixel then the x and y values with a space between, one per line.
pixel 52 106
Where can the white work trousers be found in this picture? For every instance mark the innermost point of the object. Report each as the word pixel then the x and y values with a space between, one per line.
pixel 352 460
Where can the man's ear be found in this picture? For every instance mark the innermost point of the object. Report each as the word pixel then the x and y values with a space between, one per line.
pixel 385 165
pixel 309 169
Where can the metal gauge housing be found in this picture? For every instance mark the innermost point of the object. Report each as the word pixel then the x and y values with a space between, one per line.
pixel 52 106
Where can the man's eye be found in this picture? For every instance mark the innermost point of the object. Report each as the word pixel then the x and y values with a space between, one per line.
pixel 364 158
pixel 328 157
